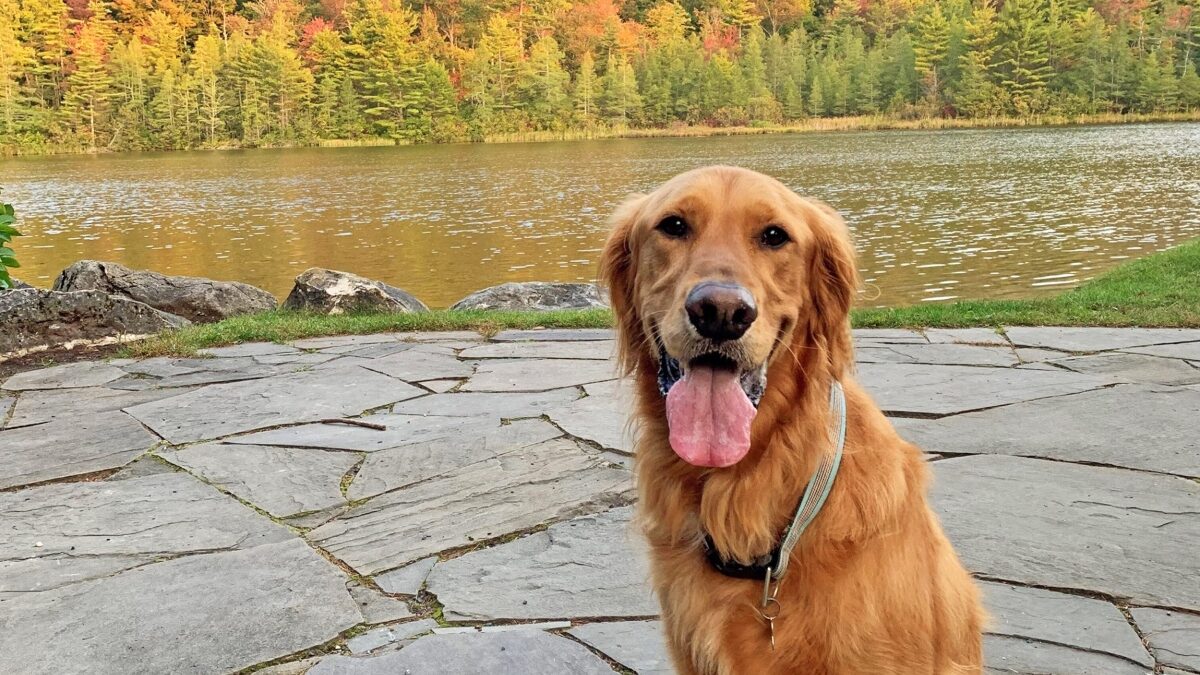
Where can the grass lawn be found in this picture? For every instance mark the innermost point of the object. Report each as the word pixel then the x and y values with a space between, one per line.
pixel 1161 290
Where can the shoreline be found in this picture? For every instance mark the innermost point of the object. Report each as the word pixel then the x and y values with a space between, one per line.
pixel 806 126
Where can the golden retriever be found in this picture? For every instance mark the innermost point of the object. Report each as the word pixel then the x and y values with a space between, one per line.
pixel 732 297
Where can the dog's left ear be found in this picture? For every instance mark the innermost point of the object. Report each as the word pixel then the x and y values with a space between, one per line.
pixel 834 279
pixel 617 274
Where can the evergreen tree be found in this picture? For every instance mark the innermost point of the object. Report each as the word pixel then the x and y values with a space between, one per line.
pixel 619 99
pixel 976 93
pixel 1189 87
pixel 931 44
pixel 15 60
pixel 206 66
pixel 1023 54
pixel 587 90
pixel 89 85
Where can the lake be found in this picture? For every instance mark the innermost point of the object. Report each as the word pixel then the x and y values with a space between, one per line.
pixel 936 215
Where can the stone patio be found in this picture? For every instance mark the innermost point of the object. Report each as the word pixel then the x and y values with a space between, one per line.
pixel 445 503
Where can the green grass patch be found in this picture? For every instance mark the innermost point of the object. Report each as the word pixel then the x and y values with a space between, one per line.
pixel 1160 290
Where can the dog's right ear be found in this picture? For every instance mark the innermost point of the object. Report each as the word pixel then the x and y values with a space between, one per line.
pixel 617 273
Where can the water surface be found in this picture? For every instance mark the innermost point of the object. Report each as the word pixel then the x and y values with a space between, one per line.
pixel 936 215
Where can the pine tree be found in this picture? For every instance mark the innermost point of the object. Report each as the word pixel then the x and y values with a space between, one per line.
pixel 384 64
pixel 206 64
pixel 1189 88
pixel 976 93
pixel 587 89
pixel 619 99
pixel 1023 54
pixel 15 60
pixel 545 88
pixel 931 46
pixel 89 85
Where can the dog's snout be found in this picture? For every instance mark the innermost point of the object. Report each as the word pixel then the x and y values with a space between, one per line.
pixel 721 311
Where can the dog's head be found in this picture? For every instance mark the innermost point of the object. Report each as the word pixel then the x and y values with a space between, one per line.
pixel 717 278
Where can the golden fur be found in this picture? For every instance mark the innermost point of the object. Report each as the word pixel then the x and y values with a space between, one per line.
pixel 874 586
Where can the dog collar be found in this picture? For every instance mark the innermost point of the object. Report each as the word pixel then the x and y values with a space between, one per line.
pixel 773 565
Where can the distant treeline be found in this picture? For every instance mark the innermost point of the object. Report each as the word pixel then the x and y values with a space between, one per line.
pixel 133 74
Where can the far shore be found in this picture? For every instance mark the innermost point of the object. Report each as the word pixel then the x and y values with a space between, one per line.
pixel 810 125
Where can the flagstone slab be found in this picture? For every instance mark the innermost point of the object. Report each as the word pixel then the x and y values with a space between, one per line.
pixel 35 407
pixel 894 335
pixel 538 374
pixel 1174 637
pixel 1069 621
pixel 298 359
pixel 1113 531
pixel 70 447
pixel 89 530
pixel 281 481
pixel 440 386
pixel 217 612
pixel 1135 426
pixel 394 635
pixel 223 409
pixel 601 417
pixel 1183 350
pixel 399 430
pixel 1096 339
pixel 556 335
pixel 406 580
pixel 388 470
pixel 7 403
pixel 945 390
pixel 940 353
pixel 1134 368
pixel 588 566
pixel 1035 355
pixel 972 336
pixel 343 341
pixel 376 607
pixel 527 652
pixel 508 406
pixel 509 493
pixel 68 375
pixel 1003 655
pixel 415 364
pixel 248 349
pixel 637 645
pixel 159 366
pixel 601 350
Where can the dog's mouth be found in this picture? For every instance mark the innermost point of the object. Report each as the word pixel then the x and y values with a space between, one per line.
pixel 711 403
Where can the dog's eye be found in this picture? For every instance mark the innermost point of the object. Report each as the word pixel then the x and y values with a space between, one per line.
pixel 673 226
pixel 774 237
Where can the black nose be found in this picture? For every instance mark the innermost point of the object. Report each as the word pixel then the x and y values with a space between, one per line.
pixel 721 311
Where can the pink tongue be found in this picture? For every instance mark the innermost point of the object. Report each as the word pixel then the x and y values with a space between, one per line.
pixel 709 416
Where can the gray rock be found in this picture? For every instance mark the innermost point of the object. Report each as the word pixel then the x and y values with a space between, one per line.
pixel 17 284
pixel 601 350
pixel 394 468
pixel 93 530
pixel 1133 368
pixel 970 336
pixel 35 407
pixel 530 404
pixel 556 334
pixel 65 376
pixel 494 497
pixel 253 605
pixel 537 374
pixel 376 607
pixel 281 481
pixel 193 298
pixel 249 349
pixel 407 580
pixel 1174 637
pixel 1083 624
pixel 601 417
pixel 1112 531
pixel 1004 655
pixel 528 652
pixel 383 636
pixel 331 292
pixel 1096 339
pixel 944 390
pixel 589 566
pixel 1183 350
pixel 286 399
pixel 32 319
pixel 1140 427
pixel 414 365
pixel 537 296
pixel 637 645
pixel 69 447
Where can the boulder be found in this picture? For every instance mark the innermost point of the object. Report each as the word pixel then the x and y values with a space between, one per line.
pixel 332 292
pixel 193 298
pixel 538 296
pixel 32 318
pixel 16 284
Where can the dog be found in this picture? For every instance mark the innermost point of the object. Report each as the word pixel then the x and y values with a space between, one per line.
pixel 732 298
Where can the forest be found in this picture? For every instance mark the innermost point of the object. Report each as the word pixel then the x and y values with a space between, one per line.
pixel 85 75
